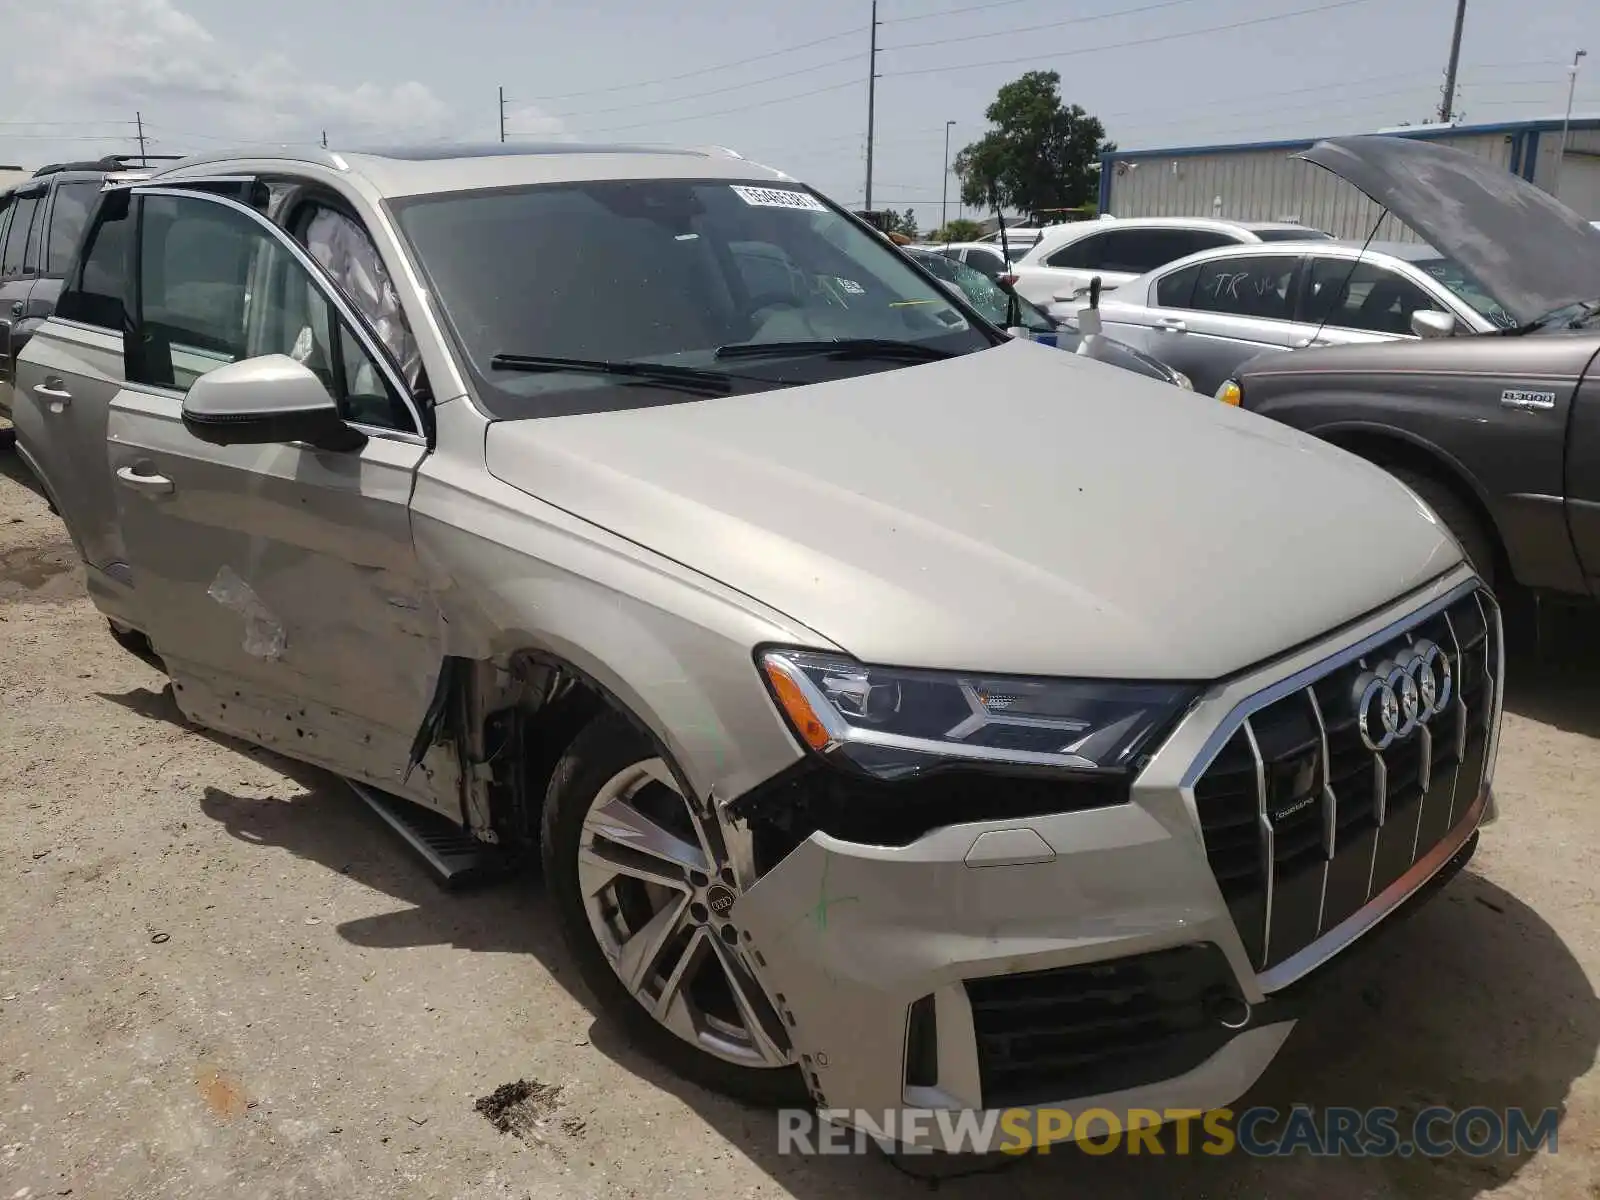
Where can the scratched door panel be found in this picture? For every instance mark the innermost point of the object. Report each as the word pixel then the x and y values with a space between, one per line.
pixel 281 571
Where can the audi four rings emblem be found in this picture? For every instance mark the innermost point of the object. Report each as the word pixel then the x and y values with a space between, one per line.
pixel 1399 695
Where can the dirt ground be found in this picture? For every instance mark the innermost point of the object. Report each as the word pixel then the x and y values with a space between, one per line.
pixel 220 976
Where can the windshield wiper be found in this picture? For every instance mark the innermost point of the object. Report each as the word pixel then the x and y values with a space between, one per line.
pixel 647 372
pixel 1571 316
pixel 838 348
pixel 1591 310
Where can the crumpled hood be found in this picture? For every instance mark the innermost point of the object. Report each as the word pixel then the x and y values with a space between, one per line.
pixel 1533 253
pixel 1014 510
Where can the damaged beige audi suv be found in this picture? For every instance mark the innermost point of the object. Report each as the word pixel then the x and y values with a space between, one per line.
pixel 906 715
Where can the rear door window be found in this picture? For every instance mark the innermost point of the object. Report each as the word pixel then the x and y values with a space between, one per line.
pixel 1176 288
pixel 99 294
pixel 13 257
pixel 987 261
pixel 1260 286
pixel 1083 254
pixel 1135 251
pixel 33 256
pixel 69 214
pixel 1293 235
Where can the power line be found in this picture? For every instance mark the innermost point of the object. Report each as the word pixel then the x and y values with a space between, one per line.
pixel 63 137
pixel 974 37
pixel 70 124
pixel 728 66
pixel 1366 117
pixel 721 91
pixel 950 12
pixel 1227 113
pixel 728 111
pixel 1149 41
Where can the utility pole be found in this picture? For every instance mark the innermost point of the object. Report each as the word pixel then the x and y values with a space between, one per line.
pixel 138 120
pixel 872 95
pixel 502 114
pixel 1566 122
pixel 944 184
pixel 1448 105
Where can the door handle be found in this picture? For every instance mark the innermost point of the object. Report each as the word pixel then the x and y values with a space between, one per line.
pixel 1307 343
pixel 155 485
pixel 1172 324
pixel 52 391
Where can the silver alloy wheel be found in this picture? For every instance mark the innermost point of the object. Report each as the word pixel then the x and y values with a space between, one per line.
pixel 661 900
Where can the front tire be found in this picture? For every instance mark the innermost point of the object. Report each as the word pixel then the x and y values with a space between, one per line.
pixel 635 871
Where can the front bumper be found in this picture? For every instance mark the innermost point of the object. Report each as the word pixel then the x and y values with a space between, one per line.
pixel 1088 959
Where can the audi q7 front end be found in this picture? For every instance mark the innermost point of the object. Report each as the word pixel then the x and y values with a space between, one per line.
pixel 907 716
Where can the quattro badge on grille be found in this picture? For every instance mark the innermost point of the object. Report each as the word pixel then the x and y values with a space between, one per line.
pixel 1398 696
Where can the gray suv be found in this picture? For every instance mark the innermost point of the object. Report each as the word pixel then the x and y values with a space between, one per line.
pixel 906 715
pixel 41 223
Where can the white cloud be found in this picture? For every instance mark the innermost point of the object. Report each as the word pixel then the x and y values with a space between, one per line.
pixel 100 60
pixel 528 123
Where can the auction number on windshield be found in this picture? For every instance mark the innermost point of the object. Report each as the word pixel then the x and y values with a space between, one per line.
pixel 778 198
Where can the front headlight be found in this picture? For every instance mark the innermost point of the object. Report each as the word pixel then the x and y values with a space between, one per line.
pixel 1230 392
pixel 1183 381
pixel 895 723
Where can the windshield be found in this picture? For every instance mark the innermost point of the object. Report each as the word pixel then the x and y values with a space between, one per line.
pixel 664 271
pixel 1453 276
pixel 983 293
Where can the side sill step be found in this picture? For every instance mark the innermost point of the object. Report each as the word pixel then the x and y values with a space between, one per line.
pixel 456 857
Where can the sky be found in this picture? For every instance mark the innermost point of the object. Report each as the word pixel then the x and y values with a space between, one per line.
pixel 782 83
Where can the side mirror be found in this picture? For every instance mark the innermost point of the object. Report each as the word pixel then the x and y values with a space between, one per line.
pixel 258 401
pixel 1430 323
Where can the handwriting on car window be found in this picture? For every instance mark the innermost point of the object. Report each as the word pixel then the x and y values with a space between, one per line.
pixel 1230 286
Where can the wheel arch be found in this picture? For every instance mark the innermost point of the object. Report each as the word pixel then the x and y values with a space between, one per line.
pixel 591 694
pixel 522 708
pixel 1387 447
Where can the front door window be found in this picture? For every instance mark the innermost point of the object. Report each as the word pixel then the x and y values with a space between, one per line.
pixel 216 286
pixel 1361 295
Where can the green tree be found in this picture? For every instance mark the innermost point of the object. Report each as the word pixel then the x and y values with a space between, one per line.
pixel 959 230
pixel 905 223
pixel 1041 154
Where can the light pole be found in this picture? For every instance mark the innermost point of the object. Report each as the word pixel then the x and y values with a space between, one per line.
pixel 1566 121
pixel 944 184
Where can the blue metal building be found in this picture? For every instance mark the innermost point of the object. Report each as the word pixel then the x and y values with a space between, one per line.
pixel 1262 181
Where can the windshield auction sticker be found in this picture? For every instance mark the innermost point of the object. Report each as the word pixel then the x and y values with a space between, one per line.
pixel 778 198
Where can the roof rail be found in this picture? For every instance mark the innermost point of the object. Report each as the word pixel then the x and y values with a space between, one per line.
pixel 319 155
pixel 109 162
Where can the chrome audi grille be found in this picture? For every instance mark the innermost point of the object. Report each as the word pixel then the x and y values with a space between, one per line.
pixel 1316 804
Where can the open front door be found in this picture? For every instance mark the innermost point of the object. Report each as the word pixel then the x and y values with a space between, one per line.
pixel 278 582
